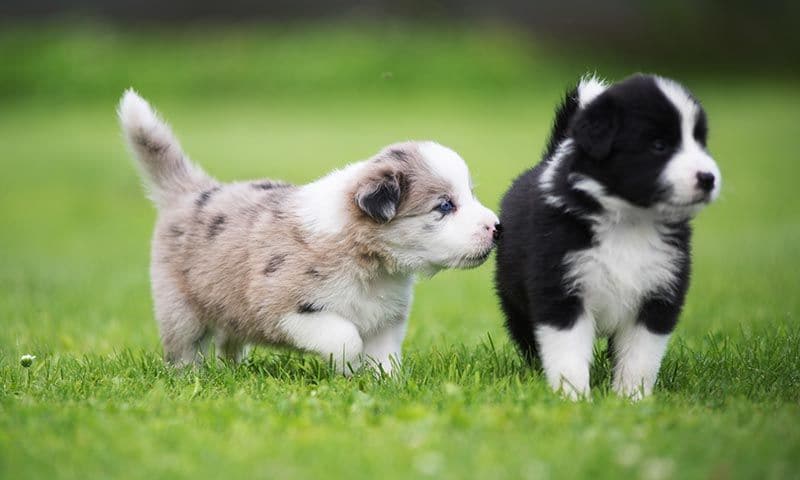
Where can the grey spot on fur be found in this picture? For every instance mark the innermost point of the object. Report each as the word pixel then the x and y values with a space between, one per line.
pixel 298 237
pixel 279 214
pixel 400 154
pixel 251 212
pixel 274 263
pixel 313 272
pixel 152 147
pixel 176 231
pixel 217 225
pixel 205 196
pixel 308 308
pixel 269 185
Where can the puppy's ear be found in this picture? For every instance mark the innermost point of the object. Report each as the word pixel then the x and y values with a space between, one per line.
pixel 596 126
pixel 379 196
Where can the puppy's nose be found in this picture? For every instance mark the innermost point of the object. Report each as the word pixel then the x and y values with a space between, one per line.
pixel 705 181
pixel 495 230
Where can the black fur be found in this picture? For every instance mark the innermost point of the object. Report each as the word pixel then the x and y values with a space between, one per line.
pixel 381 202
pixel 564 114
pixel 315 273
pixel 308 308
pixel 399 154
pixel 269 185
pixel 216 226
pixel 613 138
pixel 153 147
pixel 205 196
pixel 176 231
pixel 274 263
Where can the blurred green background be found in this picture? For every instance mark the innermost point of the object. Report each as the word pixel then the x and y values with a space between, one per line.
pixel 276 90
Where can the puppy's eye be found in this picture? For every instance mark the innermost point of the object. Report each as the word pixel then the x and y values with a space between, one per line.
pixel 445 207
pixel 658 146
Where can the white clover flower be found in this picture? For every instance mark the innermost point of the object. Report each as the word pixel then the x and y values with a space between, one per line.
pixel 27 360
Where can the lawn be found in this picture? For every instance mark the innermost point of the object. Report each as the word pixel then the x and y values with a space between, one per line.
pixel 292 104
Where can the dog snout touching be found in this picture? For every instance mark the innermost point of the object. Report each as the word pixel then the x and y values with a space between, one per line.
pixel 705 181
pixel 493 229
pixel 496 230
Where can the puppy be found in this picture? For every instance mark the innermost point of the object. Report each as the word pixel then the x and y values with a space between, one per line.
pixel 596 236
pixel 326 267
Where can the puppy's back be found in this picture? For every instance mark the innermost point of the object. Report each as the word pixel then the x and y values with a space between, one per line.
pixel 534 234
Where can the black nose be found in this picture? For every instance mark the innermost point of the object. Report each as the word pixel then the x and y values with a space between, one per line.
pixel 498 229
pixel 705 181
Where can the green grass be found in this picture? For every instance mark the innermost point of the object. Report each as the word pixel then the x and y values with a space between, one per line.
pixel 74 291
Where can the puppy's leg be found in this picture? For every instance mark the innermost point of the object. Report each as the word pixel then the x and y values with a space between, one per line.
pixel 182 335
pixel 637 358
pixel 639 348
pixel 383 349
pixel 567 355
pixel 329 335
pixel 229 347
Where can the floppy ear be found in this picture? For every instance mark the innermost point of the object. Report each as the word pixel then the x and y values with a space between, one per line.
pixel 379 196
pixel 595 127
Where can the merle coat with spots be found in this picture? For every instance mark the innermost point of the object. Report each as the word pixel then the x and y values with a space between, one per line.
pixel 326 267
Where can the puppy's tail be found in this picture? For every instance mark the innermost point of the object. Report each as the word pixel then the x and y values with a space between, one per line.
pixel 167 171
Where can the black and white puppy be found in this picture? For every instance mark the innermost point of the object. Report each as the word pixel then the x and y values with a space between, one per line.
pixel 596 236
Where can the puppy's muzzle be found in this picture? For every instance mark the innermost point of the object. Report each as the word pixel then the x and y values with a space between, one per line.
pixel 496 231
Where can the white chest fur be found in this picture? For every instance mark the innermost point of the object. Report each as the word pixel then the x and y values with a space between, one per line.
pixel 371 305
pixel 627 262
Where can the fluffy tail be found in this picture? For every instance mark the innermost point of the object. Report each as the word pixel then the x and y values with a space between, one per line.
pixel 588 88
pixel 167 171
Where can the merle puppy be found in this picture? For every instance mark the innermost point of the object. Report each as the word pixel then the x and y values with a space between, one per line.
pixel 326 267
pixel 596 237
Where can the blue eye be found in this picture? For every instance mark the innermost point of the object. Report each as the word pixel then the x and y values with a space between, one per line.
pixel 446 206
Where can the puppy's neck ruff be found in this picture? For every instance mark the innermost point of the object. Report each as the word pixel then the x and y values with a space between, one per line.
pixel 323 205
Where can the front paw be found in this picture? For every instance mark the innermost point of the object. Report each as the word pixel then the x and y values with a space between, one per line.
pixel 632 390
pixel 576 390
pixel 382 366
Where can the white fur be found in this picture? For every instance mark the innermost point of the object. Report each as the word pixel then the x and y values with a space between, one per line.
pixel 681 171
pixel 323 207
pixel 638 355
pixel 378 308
pixel 460 236
pixel 365 307
pixel 550 170
pixel 447 164
pixel 383 349
pixel 136 113
pixel 328 334
pixel 628 262
pixel 567 355
pixel 323 204
pixel 680 98
pixel 589 88
pixel 138 119
pixel 369 324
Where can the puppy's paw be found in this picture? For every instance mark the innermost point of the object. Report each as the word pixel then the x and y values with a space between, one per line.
pixel 382 367
pixel 632 391
pixel 573 394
